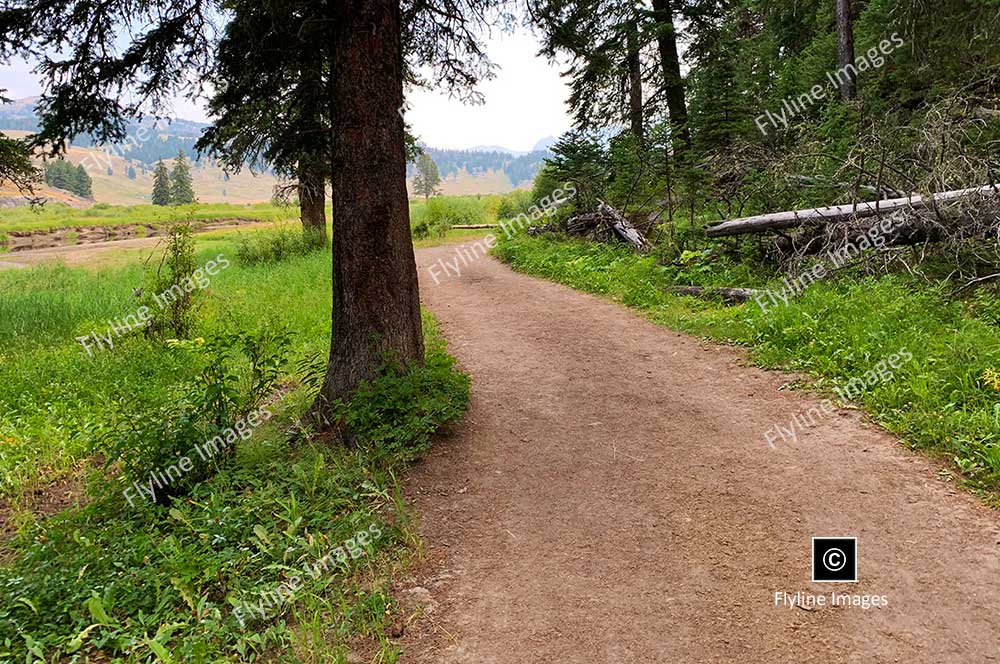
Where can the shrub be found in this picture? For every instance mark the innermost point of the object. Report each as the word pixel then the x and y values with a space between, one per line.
pixel 441 213
pixel 174 276
pixel 514 203
pixel 218 406
pixel 399 411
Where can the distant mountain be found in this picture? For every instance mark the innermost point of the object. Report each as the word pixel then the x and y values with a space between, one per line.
pixel 545 144
pixel 497 148
pixel 480 170
pixel 519 169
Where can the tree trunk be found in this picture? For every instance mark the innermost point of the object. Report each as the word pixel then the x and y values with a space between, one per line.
pixel 845 50
pixel 673 83
pixel 635 83
pixel 832 214
pixel 376 310
pixel 312 200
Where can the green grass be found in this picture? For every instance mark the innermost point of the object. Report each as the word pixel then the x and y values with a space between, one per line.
pixel 942 401
pixel 436 216
pixel 448 210
pixel 55 215
pixel 147 583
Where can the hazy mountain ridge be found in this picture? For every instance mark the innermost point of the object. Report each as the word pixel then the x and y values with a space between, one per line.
pixel 483 170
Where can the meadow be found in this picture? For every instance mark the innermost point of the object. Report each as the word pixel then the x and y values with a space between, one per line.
pixel 57 216
pixel 430 219
pixel 92 571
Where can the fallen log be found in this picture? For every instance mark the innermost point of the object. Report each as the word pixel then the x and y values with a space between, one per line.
pixel 826 215
pixel 472 227
pixel 728 295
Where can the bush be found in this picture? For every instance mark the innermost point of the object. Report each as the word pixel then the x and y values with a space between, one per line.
pixel 282 243
pixel 515 203
pixel 173 277
pixel 398 412
pixel 219 406
pixel 440 213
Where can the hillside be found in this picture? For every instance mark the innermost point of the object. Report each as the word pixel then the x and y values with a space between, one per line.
pixel 491 170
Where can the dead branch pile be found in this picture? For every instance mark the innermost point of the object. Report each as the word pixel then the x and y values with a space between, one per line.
pixel 605 225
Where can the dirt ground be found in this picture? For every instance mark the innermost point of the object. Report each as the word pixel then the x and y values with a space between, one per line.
pixel 610 498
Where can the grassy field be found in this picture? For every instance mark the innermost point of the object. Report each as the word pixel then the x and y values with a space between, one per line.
pixel 51 217
pixel 946 400
pixel 89 573
pixel 447 210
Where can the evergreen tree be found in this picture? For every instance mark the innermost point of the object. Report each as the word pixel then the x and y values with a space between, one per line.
pixel 60 174
pixel 161 184
pixel 131 173
pixel 371 49
pixel 427 179
pixel 181 184
pixel 582 159
pixel 286 126
pixel 63 175
pixel 605 40
pixel 82 184
pixel 15 161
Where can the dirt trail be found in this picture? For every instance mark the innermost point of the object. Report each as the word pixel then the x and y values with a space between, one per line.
pixel 610 498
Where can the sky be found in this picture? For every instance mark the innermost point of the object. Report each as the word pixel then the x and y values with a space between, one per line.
pixel 524 103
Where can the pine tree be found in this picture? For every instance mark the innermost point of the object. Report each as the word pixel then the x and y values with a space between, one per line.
pixel 60 175
pixel 181 184
pixel 427 179
pixel 82 184
pixel 371 49
pixel 131 172
pixel 161 184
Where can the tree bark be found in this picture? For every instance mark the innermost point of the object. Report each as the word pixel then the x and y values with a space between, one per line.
pixel 673 83
pixel 376 310
pixel 635 83
pixel 312 200
pixel 845 50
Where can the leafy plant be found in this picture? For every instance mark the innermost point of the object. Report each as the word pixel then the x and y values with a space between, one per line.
pixel 151 440
pixel 398 411
pixel 169 295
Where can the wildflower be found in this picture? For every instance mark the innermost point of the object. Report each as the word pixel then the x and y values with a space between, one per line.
pixel 992 378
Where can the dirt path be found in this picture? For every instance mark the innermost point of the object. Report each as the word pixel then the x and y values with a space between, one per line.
pixel 610 498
